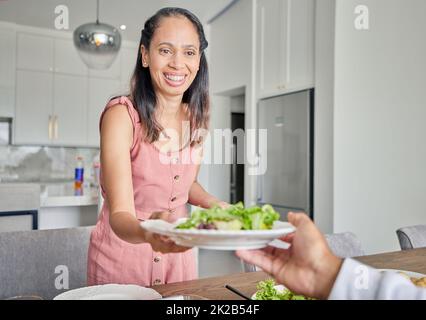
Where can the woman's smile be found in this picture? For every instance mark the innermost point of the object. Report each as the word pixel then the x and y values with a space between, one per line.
pixel 174 80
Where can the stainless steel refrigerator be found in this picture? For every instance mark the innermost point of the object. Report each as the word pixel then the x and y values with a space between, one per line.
pixel 287 183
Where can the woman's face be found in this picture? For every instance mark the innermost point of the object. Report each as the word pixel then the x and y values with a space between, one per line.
pixel 173 57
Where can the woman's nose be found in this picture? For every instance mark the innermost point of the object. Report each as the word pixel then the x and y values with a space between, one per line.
pixel 177 61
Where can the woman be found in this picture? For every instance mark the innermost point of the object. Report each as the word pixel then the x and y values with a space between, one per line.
pixel 143 144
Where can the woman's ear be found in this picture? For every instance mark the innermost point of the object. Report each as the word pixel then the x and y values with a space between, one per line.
pixel 145 56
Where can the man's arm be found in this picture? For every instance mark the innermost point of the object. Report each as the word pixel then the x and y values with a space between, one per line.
pixel 357 281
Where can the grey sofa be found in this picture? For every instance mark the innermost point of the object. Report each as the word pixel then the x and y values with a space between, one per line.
pixel 43 262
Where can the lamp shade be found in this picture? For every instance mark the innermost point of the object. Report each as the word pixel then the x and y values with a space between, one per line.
pixel 97 44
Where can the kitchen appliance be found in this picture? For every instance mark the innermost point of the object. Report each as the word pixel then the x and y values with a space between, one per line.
pixel 287 183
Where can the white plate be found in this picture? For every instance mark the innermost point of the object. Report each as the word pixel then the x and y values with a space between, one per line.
pixel 218 239
pixel 408 273
pixel 110 292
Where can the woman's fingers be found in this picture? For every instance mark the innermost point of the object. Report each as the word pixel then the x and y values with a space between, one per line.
pixel 288 238
pixel 159 215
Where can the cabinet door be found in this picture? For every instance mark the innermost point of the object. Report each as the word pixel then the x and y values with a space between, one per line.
pixel 70 110
pixel 100 91
pixel 128 63
pixel 301 43
pixel 67 59
pixel 33 107
pixel 271 34
pixel 7 72
pixel 35 52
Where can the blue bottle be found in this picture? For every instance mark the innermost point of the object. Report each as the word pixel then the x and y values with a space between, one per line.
pixel 79 173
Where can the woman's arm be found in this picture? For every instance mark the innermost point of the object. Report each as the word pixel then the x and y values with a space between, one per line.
pixel 201 198
pixel 116 143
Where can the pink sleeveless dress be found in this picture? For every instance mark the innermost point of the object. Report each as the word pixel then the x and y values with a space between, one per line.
pixel 157 186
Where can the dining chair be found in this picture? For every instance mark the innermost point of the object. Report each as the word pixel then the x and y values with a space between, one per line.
pixel 412 237
pixel 343 245
pixel 43 263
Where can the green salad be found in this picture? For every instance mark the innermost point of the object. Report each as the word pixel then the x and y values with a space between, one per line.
pixel 266 291
pixel 235 217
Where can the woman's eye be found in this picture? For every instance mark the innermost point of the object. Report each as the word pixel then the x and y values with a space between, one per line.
pixel 190 53
pixel 165 51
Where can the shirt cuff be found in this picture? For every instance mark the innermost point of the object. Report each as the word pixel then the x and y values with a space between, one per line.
pixel 355 281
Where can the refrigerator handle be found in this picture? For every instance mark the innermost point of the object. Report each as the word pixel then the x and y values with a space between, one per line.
pixel 260 186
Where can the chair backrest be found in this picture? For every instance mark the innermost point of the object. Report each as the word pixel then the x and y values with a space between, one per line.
pixel 344 245
pixel 43 262
pixel 412 237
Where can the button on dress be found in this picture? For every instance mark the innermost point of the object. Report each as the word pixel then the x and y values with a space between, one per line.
pixel 155 188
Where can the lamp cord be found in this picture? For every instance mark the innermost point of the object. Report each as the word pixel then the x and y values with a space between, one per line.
pixel 97 11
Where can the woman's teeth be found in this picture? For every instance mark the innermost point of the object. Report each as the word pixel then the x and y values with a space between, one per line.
pixel 174 78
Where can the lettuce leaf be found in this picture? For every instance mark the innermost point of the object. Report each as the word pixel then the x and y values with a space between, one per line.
pixel 266 291
pixel 253 218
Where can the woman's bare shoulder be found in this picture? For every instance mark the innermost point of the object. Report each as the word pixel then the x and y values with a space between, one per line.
pixel 117 114
pixel 116 124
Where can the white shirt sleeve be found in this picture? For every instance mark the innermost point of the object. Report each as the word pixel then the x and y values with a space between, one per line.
pixel 357 281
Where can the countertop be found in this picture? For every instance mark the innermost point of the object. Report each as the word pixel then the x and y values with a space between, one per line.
pixel 214 288
pixel 64 195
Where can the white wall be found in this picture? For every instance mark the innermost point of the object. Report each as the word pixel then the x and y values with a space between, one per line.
pixel 231 62
pixel 324 86
pixel 219 174
pixel 379 114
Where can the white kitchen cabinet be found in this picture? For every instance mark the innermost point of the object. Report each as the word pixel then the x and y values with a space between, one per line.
pixel 301 49
pixel 35 52
pixel 100 91
pixel 285 35
pixel 67 59
pixel 128 63
pixel 33 120
pixel 58 99
pixel 69 110
pixel 48 112
pixel 7 71
pixel 271 35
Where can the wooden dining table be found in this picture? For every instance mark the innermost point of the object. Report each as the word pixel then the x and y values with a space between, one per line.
pixel 214 288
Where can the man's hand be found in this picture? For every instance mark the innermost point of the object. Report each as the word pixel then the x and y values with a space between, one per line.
pixel 308 267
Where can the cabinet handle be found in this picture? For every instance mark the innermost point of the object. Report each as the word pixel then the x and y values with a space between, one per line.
pixel 50 127
pixel 55 127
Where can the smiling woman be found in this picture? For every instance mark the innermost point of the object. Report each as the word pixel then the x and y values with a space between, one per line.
pixel 172 63
pixel 143 175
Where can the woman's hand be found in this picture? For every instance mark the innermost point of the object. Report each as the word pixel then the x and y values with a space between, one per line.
pixel 308 267
pixel 161 243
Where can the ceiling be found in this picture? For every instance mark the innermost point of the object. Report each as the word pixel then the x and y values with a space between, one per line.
pixel 132 13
